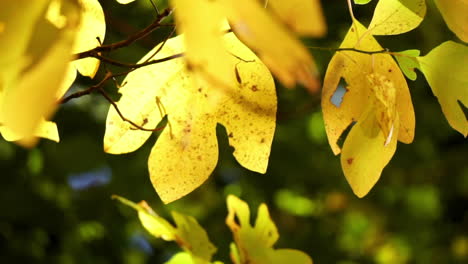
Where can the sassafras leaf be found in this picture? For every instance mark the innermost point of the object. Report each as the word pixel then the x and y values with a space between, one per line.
pixel 304 17
pixel 446 72
pixel 455 15
pixel 288 59
pixel 377 104
pixel 254 244
pixel 408 62
pixel 37 68
pixel 393 17
pixel 186 152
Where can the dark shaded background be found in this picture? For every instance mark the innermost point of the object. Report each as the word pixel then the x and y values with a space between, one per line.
pixel 55 204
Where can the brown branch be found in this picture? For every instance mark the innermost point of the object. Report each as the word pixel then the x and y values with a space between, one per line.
pixel 126 42
pixel 136 66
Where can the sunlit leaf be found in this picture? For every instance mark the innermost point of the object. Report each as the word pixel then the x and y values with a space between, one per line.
pixel 366 151
pixel 392 17
pixel 125 1
pixel 45 129
pixel 408 62
pixel 446 72
pixel 187 233
pixel 304 17
pixel 361 2
pixel 288 59
pixel 186 152
pixel 254 244
pixel 36 68
pixel 353 68
pixel 201 22
pixel 377 98
pixel 91 28
pixel 455 15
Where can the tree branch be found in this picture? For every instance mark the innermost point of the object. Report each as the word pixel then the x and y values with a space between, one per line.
pixel 126 42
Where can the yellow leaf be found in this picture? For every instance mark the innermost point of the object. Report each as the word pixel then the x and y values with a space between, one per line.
pixel 354 67
pixel 385 95
pixel 45 129
pixel 254 244
pixel 393 17
pixel 304 17
pixel 37 68
pixel 377 98
pixel 288 59
pixel 201 22
pixel 455 15
pixel 91 27
pixel 446 72
pixel 124 2
pixel 365 152
pixel 186 152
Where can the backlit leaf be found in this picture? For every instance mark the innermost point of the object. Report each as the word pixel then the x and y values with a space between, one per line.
pixel 366 151
pixel 361 2
pixel 288 59
pixel 304 17
pixel 254 244
pixel 36 68
pixel 186 152
pixel 45 129
pixel 455 15
pixel 125 1
pixel 91 28
pixel 393 17
pixel 408 62
pixel 446 72
pixel 377 98
pixel 187 233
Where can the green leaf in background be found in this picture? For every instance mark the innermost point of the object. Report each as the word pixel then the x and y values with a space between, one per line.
pixel 254 244
pixel 187 233
pixel 446 72
pixel 408 62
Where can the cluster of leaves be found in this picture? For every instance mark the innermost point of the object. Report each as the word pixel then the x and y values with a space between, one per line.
pixel 210 76
pixel 252 244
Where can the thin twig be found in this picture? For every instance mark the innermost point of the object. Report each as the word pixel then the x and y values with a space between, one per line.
pixel 386 51
pixel 126 42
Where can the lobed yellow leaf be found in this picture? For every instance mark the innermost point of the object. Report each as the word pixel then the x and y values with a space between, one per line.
pixel 354 67
pixel 254 244
pixel 455 15
pixel 42 49
pixel 446 72
pixel 288 59
pixel 377 98
pixel 186 152
pixel 393 17
pixel 304 17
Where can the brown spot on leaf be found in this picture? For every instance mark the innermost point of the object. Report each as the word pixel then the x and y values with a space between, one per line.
pixel 262 140
pixel 254 88
pixel 230 135
pixel 350 161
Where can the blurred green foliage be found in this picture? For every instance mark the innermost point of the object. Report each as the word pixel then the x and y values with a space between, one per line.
pixel 55 204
